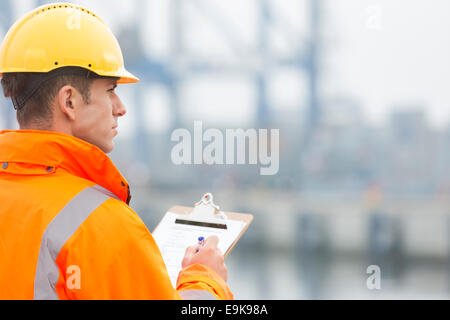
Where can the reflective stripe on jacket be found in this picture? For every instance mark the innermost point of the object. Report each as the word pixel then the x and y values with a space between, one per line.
pixel 67 232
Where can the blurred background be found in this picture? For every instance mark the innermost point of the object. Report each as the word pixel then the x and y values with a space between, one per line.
pixel 360 92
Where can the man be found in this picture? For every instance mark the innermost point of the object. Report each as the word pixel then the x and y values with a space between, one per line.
pixel 66 230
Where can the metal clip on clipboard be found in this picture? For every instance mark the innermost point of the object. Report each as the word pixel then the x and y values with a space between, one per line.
pixel 205 214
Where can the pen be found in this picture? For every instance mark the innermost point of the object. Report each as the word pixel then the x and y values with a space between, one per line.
pixel 201 242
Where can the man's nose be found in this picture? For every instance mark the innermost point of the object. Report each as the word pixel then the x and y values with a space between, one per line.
pixel 119 108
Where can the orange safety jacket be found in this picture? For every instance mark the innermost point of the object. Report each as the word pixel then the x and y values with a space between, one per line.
pixel 67 232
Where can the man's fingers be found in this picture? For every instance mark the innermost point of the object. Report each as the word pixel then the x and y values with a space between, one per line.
pixel 190 251
pixel 212 242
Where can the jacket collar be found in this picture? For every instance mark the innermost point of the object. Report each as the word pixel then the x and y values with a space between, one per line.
pixel 57 150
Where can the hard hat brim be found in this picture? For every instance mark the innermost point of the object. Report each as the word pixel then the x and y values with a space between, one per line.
pixel 124 76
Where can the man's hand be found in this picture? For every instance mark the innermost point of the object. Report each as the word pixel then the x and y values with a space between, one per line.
pixel 209 255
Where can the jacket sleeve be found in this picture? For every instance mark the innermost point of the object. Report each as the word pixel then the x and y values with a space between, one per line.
pixel 196 281
pixel 116 257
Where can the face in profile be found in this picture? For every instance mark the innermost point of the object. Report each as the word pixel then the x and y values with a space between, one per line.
pixel 97 121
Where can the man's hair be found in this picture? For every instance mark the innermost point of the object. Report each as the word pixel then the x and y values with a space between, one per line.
pixel 37 111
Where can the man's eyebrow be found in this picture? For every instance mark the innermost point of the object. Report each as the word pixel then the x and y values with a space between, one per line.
pixel 112 82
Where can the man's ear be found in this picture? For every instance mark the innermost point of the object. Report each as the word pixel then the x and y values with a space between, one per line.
pixel 67 101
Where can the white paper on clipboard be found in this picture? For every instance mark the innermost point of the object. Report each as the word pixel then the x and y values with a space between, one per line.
pixel 176 232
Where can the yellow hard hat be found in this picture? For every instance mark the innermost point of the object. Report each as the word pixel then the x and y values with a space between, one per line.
pixel 62 35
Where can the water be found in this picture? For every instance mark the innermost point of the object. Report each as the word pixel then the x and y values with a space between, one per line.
pixel 288 275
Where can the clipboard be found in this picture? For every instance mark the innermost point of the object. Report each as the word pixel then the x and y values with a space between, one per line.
pixel 181 226
pixel 206 212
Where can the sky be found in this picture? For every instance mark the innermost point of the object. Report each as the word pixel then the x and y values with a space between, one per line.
pixel 384 54
pixel 403 61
